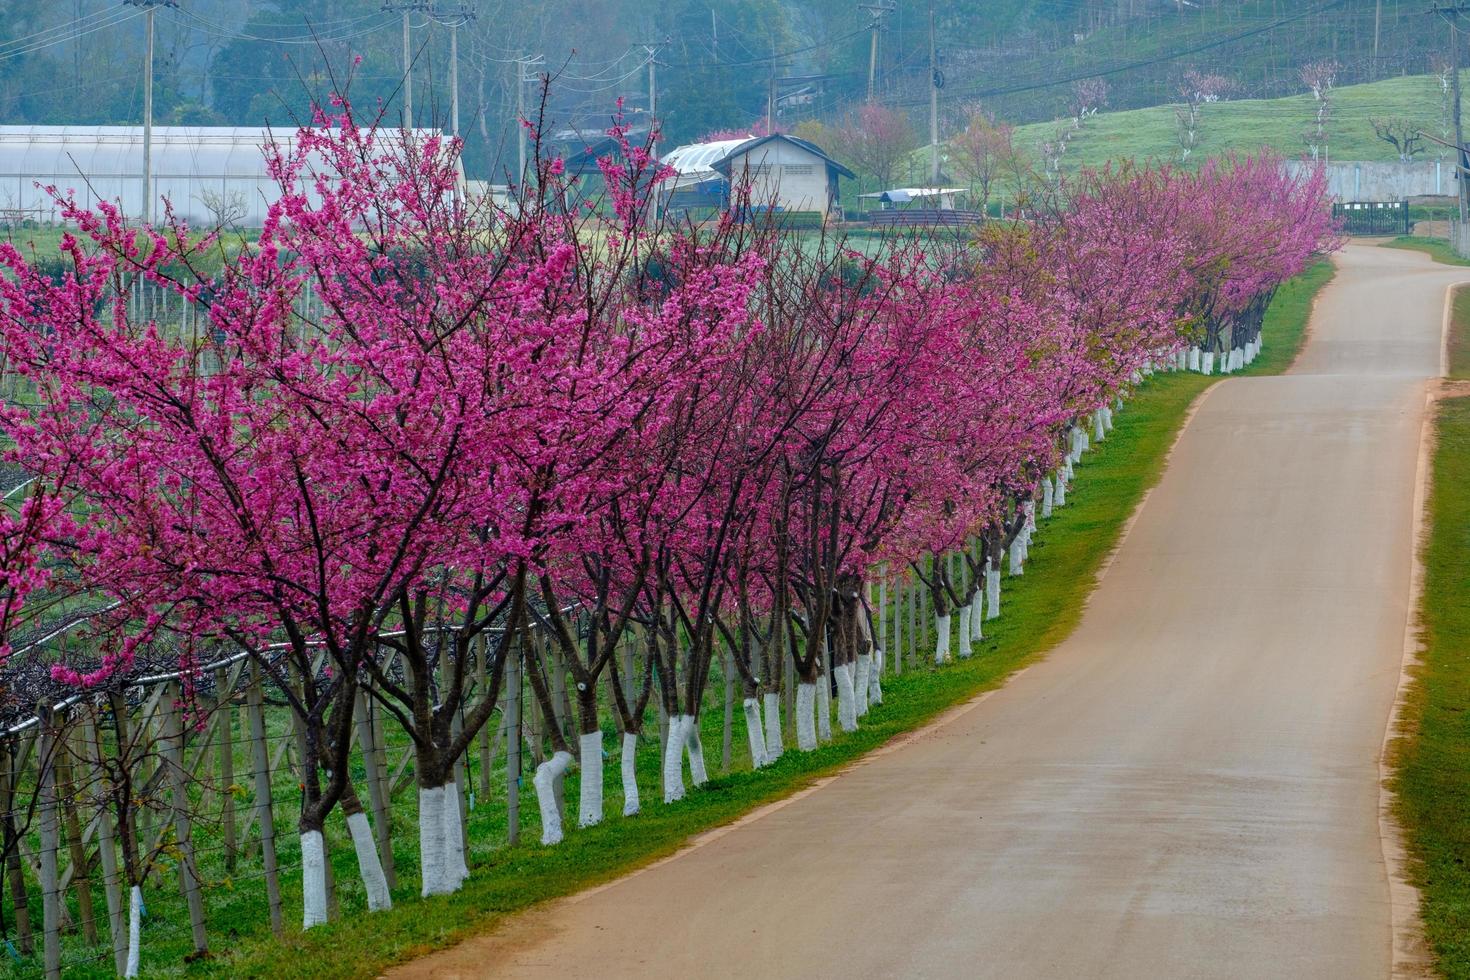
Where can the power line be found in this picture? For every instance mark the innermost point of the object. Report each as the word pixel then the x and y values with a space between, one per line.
pixel 1133 65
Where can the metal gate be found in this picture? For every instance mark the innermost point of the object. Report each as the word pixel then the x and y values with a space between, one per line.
pixel 1373 217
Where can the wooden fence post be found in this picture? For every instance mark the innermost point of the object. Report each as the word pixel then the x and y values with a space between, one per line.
pixel 117 923
pixel 222 697
pixel 376 795
pixel 66 796
pixel 513 741
pixel 9 793
pixel 50 833
pixel 487 757
pixel 174 736
pixel 260 755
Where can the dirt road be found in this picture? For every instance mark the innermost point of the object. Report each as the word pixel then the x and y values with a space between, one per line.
pixel 1188 787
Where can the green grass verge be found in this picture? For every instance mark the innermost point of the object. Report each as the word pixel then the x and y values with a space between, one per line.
pixel 1436 248
pixel 1432 773
pixel 1042 608
pixel 1459 339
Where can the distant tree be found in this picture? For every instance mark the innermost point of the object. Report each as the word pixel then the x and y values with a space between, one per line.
pixel 876 140
pixel 1088 96
pixel 983 151
pixel 1405 135
pixel 1198 90
pixel 1320 78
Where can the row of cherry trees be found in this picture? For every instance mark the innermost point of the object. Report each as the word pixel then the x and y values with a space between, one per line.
pixel 570 420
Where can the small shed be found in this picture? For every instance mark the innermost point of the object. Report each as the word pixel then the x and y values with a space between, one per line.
pixel 785 174
pixel 941 198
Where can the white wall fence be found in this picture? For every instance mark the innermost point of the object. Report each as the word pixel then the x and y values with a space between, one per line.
pixel 1355 180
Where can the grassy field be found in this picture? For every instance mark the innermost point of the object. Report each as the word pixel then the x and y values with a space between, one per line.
pixel 1436 248
pixel 1042 608
pixel 1432 761
pixel 1249 124
pixel 1432 777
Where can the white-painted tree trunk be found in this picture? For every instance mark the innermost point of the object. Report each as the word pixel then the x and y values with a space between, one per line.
pixel 374 882
pixel 861 670
pixel 695 746
pixel 966 643
pixel 1194 359
pixel 977 615
pixel 992 589
pixel 806 716
pixel 545 782
pixel 1047 495
pixel 1099 427
pixel 846 698
pixel 824 709
pixel 135 930
pixel 631 803
pixel 875 678
pixel 774 745
pixel 674 760
pixel 1014 555
pixel 941 639
pixel 1207 362
pixel 1107 419
pixel 1059 498
pixel 589 798
pixel 313 880
pixel 754 733
pixel 432 857
pixel 456 871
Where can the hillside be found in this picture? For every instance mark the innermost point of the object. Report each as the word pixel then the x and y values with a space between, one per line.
pixel 1248 124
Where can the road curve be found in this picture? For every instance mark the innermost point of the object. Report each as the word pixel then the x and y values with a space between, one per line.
pixel 1188 787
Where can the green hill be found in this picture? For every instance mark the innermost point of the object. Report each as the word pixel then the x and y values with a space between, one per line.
pixel 1249 124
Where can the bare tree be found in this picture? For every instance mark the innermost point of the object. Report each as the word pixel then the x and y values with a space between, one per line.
pixel 1088 96
pixel 1320 78
pixel 1404 135
pixel 982 151
pixel 1198 89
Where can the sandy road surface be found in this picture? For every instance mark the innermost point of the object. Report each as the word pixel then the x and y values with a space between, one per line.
pixel 1186 788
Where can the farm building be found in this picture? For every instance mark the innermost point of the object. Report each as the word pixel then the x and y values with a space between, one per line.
pixel 212 175
pixel 786 174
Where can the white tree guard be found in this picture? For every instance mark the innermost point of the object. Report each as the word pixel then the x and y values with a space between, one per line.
pixel 941 639
pixel 374 882
pixel 135 930
pixel 589 798
pixel 806 716
pixel 631 803
pixel 754 733
pixel 774 744
pixel 313 880
pixel 545 782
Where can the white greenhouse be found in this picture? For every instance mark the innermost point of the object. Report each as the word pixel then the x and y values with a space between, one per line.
pixel 211 174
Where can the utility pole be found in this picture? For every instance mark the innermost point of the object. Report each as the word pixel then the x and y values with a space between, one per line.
pixel 771 92
pixel 936 80
pixel 877 11
pixel 406 7
pixel 454 20
pixel 148 11
pixel 652 51
pixel 1449 12
pixel 522 63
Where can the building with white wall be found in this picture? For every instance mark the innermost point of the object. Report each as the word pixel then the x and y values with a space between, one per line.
pixel 203 171
pixel 784 173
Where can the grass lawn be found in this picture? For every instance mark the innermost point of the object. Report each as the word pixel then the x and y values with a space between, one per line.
pixel 1432 775
pixel 1436 248
pixel 1245 125
pixel 1041 609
